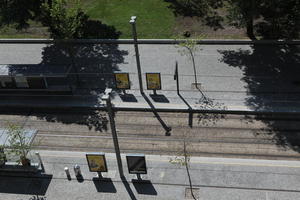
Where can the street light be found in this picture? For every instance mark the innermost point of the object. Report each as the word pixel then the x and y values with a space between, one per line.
pixel 137 55
pixel 106 98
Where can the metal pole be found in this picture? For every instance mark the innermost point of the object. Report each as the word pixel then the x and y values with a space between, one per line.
pixel 137 55
pixel 106 97
pixel 176 77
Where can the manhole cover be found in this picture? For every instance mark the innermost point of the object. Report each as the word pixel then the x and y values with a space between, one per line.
pixel 196 86
pixel 188 193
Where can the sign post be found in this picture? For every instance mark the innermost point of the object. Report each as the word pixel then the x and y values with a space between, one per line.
pixel 122 81
pixel 153 82
pixel 96 163
pixel 136 164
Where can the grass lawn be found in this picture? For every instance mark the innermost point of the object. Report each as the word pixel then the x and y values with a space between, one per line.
pixel 155 20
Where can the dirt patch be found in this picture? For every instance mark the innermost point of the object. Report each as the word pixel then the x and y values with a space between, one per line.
pixel 197 28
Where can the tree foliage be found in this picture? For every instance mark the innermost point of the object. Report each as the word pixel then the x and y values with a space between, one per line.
pixel 205 9
pixel 19 12
pixel 63 21
pixel 276 19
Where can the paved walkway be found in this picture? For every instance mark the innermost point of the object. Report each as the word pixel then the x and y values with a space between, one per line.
pixel 213 179
pixel 163 101
pixel 238 77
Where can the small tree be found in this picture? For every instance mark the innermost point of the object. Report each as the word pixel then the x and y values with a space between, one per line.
pixel 183 159
pixel 18 144
pixel 188 48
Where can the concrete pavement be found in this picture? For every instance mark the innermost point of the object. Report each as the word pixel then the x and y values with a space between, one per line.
pixel 236 77
pixel 213 179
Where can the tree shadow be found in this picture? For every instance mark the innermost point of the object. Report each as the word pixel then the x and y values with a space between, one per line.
pixel 206 104
pixel 92 64
pixel 206 11
pixel 36 185
pixel 272 77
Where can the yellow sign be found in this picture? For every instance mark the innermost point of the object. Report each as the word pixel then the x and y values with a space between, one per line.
pixel 122 81
pixel 96 162
pixel 153 81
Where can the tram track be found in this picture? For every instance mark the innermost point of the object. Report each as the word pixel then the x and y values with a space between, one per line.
pixel 226 136
pixel 159 138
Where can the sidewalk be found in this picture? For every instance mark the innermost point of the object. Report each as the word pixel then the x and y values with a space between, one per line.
pixel 213 179
pixel 239 78
pixel 164 101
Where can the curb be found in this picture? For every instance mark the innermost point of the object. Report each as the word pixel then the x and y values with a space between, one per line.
pixel 47 108
pixel 151 41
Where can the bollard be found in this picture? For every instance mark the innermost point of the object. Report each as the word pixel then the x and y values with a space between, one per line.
pixel 40 160
pixel 67 171
pixel 77 170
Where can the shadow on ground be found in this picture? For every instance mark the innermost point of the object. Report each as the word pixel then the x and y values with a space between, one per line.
pixel 25 185
pixel 104 185
pixel 272 76
pixel 144 187
pixel 91 71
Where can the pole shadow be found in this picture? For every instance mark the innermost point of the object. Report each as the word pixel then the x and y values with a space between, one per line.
pixel 176 77
pixel 190 122
pixel 128 189
pixel 167 128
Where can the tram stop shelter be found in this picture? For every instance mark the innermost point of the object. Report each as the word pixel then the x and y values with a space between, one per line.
pixel 35 77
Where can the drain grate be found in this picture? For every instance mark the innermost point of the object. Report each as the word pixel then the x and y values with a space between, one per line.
pixel 188 193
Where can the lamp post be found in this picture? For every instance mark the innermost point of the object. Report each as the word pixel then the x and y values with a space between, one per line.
pixel 137 55
pixel 106 98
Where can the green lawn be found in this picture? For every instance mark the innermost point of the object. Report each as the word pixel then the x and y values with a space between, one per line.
pixel 155 20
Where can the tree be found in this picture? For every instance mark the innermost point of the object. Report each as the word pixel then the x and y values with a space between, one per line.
pixel 205 9
pixel 269 19
pixel 18 144
pixel 243 13
pixel 19 12
pixel 189 49
pixel 64 21
pixel 281 19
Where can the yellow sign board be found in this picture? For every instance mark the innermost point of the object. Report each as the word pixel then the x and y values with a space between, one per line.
pixel 96 162
pixel 153 81
pixel 122 81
